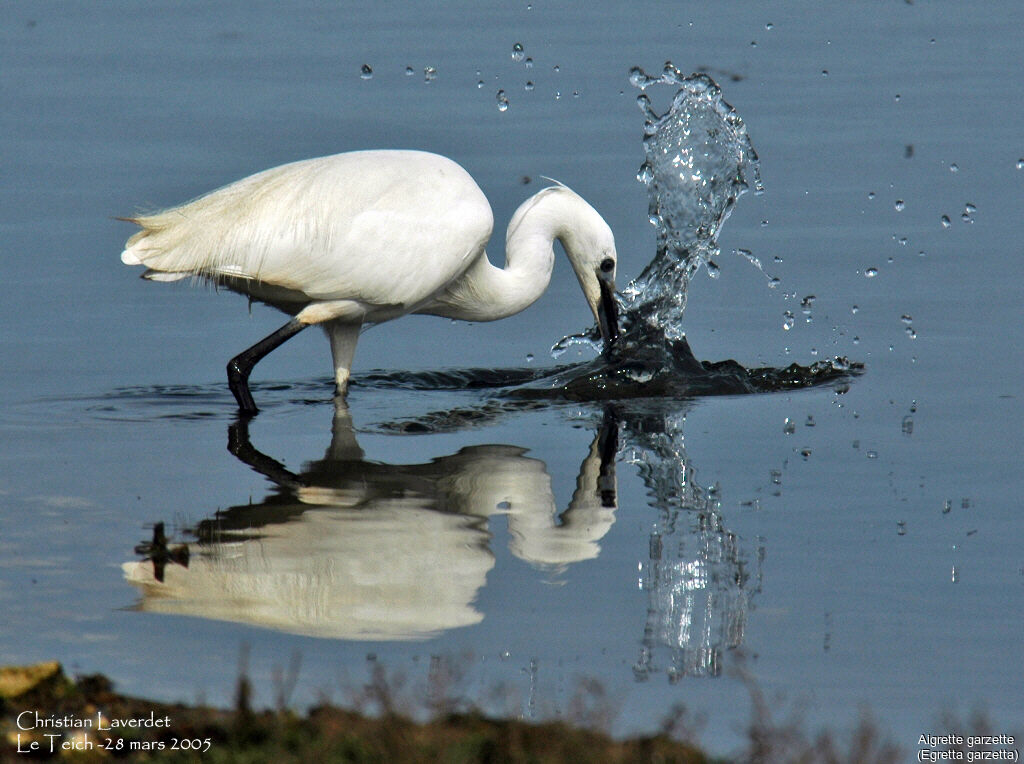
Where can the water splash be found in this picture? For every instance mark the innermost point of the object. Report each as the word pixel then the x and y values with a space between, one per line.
pixel 699 161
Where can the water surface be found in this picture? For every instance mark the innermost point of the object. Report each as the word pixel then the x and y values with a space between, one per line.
pixel 848 544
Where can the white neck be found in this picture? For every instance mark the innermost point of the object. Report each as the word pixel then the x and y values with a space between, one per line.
pixel 487 293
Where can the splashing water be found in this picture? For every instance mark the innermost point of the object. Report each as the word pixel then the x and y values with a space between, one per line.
pixel 698 162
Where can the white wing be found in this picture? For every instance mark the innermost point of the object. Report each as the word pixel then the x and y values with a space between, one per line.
pixel 380 227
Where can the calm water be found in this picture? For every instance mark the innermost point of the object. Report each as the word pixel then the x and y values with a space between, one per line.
pixel 851 545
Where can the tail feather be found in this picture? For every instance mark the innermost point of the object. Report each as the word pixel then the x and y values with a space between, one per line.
pixel 152 275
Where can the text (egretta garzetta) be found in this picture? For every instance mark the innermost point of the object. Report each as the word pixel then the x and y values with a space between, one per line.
pixel 363 237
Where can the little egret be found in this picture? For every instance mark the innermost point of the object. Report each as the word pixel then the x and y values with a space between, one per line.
pixel 359 238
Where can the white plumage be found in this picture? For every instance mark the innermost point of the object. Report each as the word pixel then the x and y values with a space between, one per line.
pixel 365 237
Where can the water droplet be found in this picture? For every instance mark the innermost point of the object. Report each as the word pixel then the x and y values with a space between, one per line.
pixel 789 426
pixel 753 43
pixel 900 205
pixel 871 194
pixel 558 94
pixel 856 340
pixel 502 100
pixel 1020 164
pixel 810 421
pixel 769 25
pixel 366 72
pixel 529 357
pixel 429 73
pixel 871 273
pixel 901 528
pixel 905 318
pixel 529 62
pixel 556 68
pixel 788 320
pixel 824 72
pixel 773 282
pixel 409 71
pixel 954 167
pixel 713 270
pixel 896 97
pixel 529 85
pixel 854 309
pixel 517 52
pixel 907 425
pixel 945 221
pixel 911 333
pixel 872 454
pixel 480 85
pixel 805 453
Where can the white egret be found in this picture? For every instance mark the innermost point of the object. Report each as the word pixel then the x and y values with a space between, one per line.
pixel 359 238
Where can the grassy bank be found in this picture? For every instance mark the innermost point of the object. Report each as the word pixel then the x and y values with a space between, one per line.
pixel 46 715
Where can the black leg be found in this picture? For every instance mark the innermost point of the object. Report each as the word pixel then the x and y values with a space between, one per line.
pixel 240 366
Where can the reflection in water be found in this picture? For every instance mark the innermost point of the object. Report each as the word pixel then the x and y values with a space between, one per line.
pixel 696 577
pixel 354 549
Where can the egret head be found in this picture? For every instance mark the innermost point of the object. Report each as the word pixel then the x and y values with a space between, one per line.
pixel 559 213
pixel 590 245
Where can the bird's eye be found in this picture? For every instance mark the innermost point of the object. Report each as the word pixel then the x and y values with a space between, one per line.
pixel 607 265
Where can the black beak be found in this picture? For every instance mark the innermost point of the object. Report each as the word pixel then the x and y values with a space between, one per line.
pixel 608 314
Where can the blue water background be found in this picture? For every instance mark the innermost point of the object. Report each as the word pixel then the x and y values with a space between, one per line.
pixel 869 595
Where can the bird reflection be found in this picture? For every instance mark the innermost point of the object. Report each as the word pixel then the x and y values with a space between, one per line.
pixel 353 549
